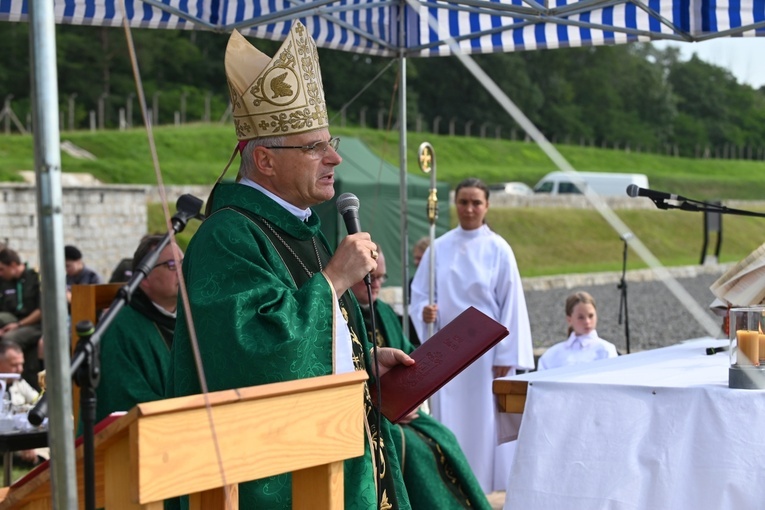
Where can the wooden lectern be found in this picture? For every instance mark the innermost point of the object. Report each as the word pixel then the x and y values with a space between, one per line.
pixel 166 448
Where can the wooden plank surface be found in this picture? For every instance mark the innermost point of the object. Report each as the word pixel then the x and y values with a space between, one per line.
pixel 305 423
pixel 254 437
pixel 511 395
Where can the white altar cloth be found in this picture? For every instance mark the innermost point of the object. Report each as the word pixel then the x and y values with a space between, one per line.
pixel 653 430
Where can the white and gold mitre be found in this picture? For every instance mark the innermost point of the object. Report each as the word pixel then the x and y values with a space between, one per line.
pixel 279 96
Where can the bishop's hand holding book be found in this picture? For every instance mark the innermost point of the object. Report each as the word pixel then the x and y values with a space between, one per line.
pixel 447 353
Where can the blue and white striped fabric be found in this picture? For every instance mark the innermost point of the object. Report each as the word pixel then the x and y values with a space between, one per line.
pixel 371 26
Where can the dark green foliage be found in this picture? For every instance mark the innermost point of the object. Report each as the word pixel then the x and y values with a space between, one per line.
pixel 626 96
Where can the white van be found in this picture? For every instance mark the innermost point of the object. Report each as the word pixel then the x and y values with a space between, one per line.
pixel 605 184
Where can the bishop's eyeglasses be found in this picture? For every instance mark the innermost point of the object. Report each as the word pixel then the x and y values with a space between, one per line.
pixel 316 149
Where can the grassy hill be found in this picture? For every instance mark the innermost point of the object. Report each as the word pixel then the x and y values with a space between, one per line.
pixel 546 241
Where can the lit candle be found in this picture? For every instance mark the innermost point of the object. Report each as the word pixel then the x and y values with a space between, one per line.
pixel 748 347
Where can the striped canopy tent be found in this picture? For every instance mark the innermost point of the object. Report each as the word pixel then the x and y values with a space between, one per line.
pixel 393 28
pixel 375 27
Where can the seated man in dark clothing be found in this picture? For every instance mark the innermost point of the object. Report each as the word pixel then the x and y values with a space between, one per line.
pixel 20 312
pixel 77 273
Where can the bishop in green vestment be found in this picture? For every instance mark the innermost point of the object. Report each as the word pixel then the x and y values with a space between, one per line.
pixel 436 472
pixel 268 300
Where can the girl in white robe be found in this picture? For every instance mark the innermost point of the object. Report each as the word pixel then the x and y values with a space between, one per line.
pixel 583 344
pixel 475 267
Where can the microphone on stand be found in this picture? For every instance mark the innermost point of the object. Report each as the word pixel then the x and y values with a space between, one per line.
pixel 348 207
pixel 634 190
pixel 39 412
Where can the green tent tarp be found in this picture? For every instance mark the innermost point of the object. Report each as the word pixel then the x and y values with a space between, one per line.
pixel 377 185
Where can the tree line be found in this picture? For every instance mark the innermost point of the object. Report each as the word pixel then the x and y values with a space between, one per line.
pixel 631 96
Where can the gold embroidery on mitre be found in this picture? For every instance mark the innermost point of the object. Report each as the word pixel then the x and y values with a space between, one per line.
pixel 279 96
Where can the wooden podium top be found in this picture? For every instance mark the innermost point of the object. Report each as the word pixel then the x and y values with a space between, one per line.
pixel 190 444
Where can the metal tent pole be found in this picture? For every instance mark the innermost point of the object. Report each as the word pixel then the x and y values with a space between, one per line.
pixel 403 173
pixel 44 83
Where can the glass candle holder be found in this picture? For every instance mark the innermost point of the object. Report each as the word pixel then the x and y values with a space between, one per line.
pixel 747 347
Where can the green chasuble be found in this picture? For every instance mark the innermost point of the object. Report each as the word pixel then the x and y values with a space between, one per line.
pixel 436 472
pixel 134 362
pixel 264 313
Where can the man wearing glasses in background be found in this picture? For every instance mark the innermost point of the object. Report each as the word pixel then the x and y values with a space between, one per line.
pixel 135 348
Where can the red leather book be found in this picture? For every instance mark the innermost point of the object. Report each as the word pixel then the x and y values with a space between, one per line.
pixel 447 353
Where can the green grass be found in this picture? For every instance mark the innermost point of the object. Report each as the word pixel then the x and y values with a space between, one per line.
pixel 195 154
pixel 545 241
pixel 563 241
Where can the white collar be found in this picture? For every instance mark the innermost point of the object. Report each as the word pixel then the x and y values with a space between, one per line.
pixel 164 311
pixel 301 214
pixel 476 232
pixel 583 340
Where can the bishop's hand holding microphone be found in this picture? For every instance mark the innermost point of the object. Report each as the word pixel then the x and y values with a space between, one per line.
pixel 355 257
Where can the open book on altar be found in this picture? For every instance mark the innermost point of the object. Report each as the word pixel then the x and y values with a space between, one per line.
pixel 437 361
pixel 744 283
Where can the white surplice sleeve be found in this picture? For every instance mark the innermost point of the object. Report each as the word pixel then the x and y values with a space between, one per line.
pixel 516 349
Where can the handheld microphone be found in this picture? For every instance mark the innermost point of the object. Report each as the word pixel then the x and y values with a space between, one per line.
pixel 634 190
pixel 348 207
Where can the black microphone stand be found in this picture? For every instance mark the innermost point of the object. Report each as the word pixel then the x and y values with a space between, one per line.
pixel 687 204
pixel 684 204
pixel 623 287
pixel 86 367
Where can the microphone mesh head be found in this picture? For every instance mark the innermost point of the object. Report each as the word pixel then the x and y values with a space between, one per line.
pixel 347 202
pixel 632 190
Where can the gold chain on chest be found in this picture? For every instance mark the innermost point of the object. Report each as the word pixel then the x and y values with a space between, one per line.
pixel 289 248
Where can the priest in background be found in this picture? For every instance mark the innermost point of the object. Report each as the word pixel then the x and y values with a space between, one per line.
pixel 135 348
pixel 436 472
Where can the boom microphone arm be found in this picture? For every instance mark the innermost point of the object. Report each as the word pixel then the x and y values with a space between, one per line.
pixel 664 200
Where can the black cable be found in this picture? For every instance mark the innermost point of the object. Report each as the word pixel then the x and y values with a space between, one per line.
pixel 377 405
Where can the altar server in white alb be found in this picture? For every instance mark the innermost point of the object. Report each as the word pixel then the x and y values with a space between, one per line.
pixel 583 344
pixel 475 267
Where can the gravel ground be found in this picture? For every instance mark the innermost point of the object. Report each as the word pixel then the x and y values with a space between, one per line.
pixel 656 317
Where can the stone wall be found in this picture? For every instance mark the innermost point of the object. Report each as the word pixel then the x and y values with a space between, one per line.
pixel 105 222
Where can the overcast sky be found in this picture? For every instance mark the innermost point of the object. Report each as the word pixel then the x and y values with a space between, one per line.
pixel 738 54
